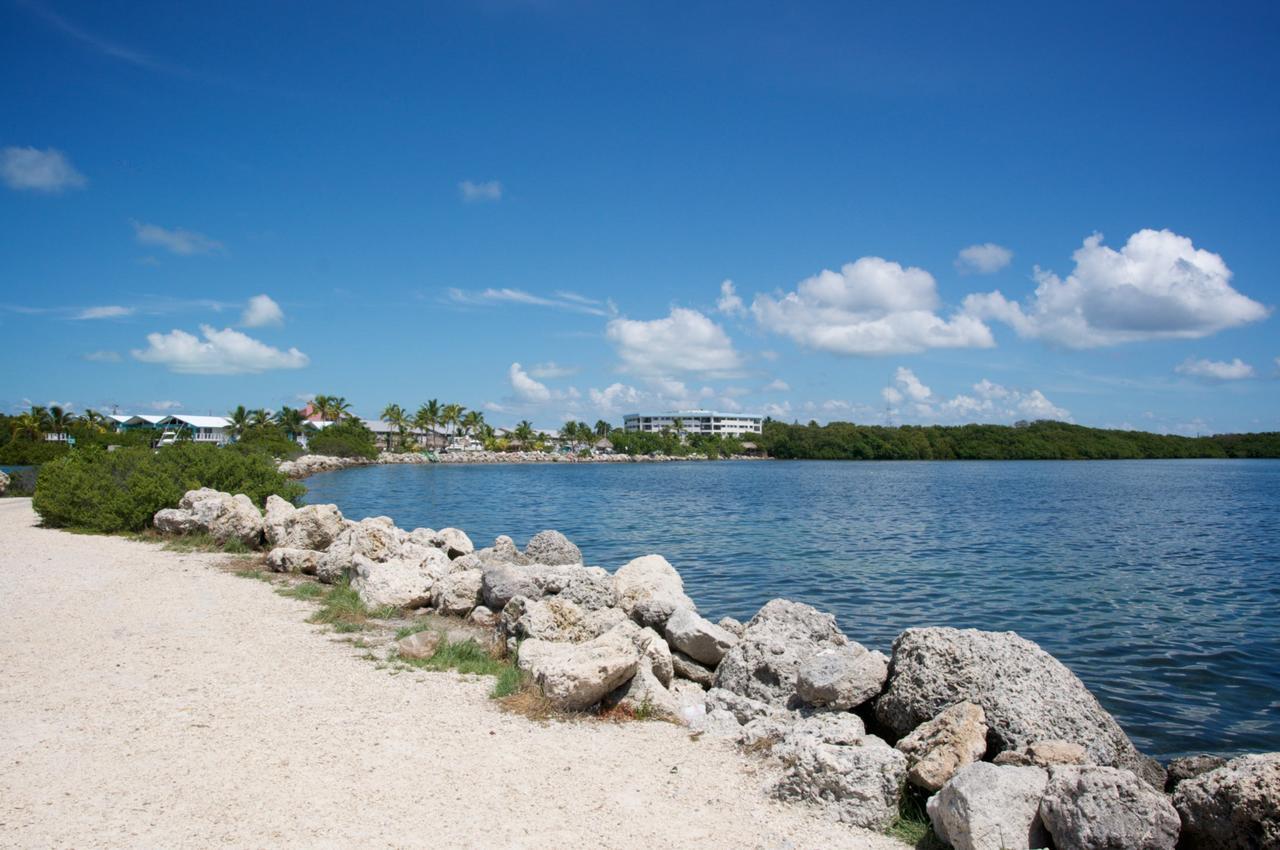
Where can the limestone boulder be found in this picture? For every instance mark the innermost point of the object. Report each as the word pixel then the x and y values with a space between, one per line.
pixel 1234 807
pixel 576 676
pixel 825 727
pixel 646 697
pixel 732 626
pixel 419 645
pixel 554 619
pixel 1044 754
pixel 503 552
pixel 454 542
pixel 937 749
pixel 175 521
pixel 857 783
pixel 744 709
pixel 1100 808
pixel 457 593
pixel 275 519
pixel 991 807
pixel 686 668
pixel 552 548
pixel 286 560
pixel 310 527
pixel 590 588
pixel 777 641
pixel 649 590
pixel 697 637
pixel 375 539
pixel 1026 694
pixel 400 583
pixel 1189 767
pixel 222 516
pixel 483 617
pixel 842 677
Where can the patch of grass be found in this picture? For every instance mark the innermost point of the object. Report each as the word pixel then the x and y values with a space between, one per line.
pixel 199 543
pixel 342 608
pixel 386 612
pixel 913 826
pixel 306 590
pixel 469 656
pixel 510 680
pixel 260 575
pixel 412 629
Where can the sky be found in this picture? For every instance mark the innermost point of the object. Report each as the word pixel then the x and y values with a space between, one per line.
pixel 544 209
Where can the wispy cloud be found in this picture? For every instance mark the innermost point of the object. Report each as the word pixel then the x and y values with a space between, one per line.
pixel 34 170
pixel 101 45
pixel 177 240
pixel 561 301
pixel 1215 370
pixel 102 357
pixel 108 311
pixel 552 370
pixel 472 192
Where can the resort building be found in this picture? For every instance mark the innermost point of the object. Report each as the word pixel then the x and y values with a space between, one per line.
pixel 695 422
pixel 199 429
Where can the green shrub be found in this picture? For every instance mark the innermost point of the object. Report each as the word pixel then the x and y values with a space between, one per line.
pixel 23 451
pixel 270 439
pixel 347 438
pixel 104 491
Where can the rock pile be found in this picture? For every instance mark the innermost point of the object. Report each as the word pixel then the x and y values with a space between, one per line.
pixel 1011 749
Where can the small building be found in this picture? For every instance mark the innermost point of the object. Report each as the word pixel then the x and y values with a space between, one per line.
pixel 198 429
pixel 706 422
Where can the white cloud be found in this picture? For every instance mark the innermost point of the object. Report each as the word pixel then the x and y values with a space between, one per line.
pixel 526 388
pixel 177 241
pixel 551 370
pixel 260 311
pixel 31 169
pixel 103 357
pixel 489 190
pixel 165 406
pixel 616 398
pixel 776 386
pixel 989 402
pixel 871 306
pixel 221 352
pixel 1215 370
pixel 1158 286
pixel 729 303
pixel 987 258
pixel 569 301
pixel 685 341
pixel 108 311
pixel 778 411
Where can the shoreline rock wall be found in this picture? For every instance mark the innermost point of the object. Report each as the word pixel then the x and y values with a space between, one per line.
pixel 307 465
pixel 1011 749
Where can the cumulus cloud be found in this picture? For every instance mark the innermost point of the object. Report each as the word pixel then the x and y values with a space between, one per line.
pixel 777 386
pixel 261 311
pixel 1215 370
pixel 488 190
pixel 1158 286
pixel 870 307
pixel 988 402
pixel 527 389
pixel 778 411
pixel 685 341
pixel 729 302
pixel 35 170
pixel 616 398
pixel 987 258
pixel 177 240
pixel 108 311
pixel 220 352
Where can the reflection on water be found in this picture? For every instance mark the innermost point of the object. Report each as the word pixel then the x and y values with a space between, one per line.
pixel 1157 582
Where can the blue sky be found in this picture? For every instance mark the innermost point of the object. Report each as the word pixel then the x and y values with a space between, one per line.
pixel 532 208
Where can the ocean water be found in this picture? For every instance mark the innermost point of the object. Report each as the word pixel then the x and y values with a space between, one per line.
pixel 1157 582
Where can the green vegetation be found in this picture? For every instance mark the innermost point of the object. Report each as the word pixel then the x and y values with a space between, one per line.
pixel 304 590
pixel 103 491
pixel 342 608
pixel 1043 440
pixel 912 825
pixel 203 543
pixel 345 438
pixel 674 444
pixel 468 656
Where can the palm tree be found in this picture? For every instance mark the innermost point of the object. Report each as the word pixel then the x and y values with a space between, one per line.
pixel 679 426
pixel 290 419
pixel 239 420
pixel 524 433
pixel 473 422
pixel 28 425
pixel 94 419
pixel 259 417
pixel 59 420
pixel 426 419
pixel 41 415
pixel 331 407
pixel 603 428
pixel 569 432
pixel 394 415
pixel 451 415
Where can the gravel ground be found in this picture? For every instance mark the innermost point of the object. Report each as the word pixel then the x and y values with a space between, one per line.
pixel 151 699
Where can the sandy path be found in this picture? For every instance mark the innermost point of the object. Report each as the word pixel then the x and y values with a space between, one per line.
pixel 148 699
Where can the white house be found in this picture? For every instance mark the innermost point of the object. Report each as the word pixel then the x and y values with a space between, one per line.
pixel 696 422
pixel 200 429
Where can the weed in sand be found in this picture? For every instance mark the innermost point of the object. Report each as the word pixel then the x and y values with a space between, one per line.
pixel 342 608
pixel 306 590
pixel 913 826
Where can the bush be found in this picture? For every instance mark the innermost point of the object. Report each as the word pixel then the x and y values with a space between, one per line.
pixel 22 451
pixel 103 491
pixel 347 438
pixel 270 439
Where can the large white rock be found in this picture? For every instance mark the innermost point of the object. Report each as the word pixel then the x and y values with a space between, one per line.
pixel 698 637
pixel 575 676
pixel 373 538
pixel 1101 808
pixel 175 521
pixel 402 583
pixel 222 516
pixel 554 619
pixel 646 696
pixel 842 677
pixel 552 548
pixel 1026 694
pixel 310 527
pixel 942 746
pixel 457 593
pixel 780 638
pixel 649 590
pixel 989 807
pixel 454 542
pixel 857 783
pixel 284 560
pixel 1236 806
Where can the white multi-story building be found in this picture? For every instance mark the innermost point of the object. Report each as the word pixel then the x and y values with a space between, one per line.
pixel 695 422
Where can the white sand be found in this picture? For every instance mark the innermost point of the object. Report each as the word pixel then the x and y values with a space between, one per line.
pixel 149 699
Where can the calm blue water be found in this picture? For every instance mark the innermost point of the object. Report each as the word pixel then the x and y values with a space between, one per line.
pixel 1157 582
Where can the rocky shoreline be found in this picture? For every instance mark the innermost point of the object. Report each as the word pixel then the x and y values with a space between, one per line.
pixel 311 464
pixel 1010 748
